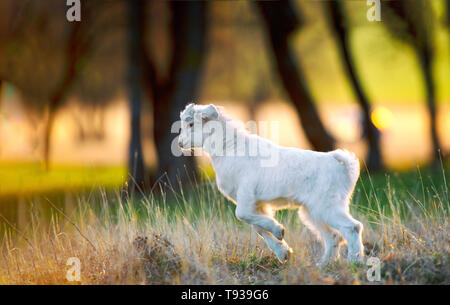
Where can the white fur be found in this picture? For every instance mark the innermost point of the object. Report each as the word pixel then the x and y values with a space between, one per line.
pixel 319 184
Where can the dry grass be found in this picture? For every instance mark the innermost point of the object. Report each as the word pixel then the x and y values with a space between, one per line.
pixel 197 240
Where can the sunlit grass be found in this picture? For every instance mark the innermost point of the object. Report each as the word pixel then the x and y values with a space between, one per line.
pixel 193 237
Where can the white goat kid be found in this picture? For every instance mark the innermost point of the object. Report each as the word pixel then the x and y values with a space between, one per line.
pixel 318 184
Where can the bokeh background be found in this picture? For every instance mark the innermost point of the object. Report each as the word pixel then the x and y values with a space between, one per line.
pixel 86 108
pixel 91 103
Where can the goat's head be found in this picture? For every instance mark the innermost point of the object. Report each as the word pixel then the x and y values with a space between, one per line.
pixel 193 119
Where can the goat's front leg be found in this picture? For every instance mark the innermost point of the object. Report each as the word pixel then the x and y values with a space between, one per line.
pixel 247 211
pixel 280 247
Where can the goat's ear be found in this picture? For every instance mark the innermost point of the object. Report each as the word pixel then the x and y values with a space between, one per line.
pixel 189 108
pixel 210 113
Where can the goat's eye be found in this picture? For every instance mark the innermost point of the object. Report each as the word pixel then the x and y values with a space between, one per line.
pixel 191 124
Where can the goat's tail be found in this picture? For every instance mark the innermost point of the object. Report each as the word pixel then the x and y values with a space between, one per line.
pixel 351 163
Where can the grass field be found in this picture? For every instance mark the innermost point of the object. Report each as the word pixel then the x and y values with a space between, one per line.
pixel 193 237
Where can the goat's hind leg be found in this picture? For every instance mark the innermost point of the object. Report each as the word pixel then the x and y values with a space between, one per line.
pixel 280 247
pixel 332 239
pixel 351 229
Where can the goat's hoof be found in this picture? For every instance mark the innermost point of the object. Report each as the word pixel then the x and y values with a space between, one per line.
pixel 285 255
pixel 280 234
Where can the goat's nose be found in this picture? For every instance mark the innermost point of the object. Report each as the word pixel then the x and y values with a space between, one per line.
pixel 180 143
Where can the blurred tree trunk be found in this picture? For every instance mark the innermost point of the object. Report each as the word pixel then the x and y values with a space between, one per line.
pixel 337 21
pixel 61 90
pixel 425 58
pixel 78 45
pixel 447 13
pixel 260 95
pixel 412 22
pixel 252 109
pixel 280 20
pixel 170 95
pixel 1 101
pixel 136 175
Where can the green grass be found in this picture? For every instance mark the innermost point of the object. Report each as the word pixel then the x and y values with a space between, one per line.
pixel 27 179
pixel 194 237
